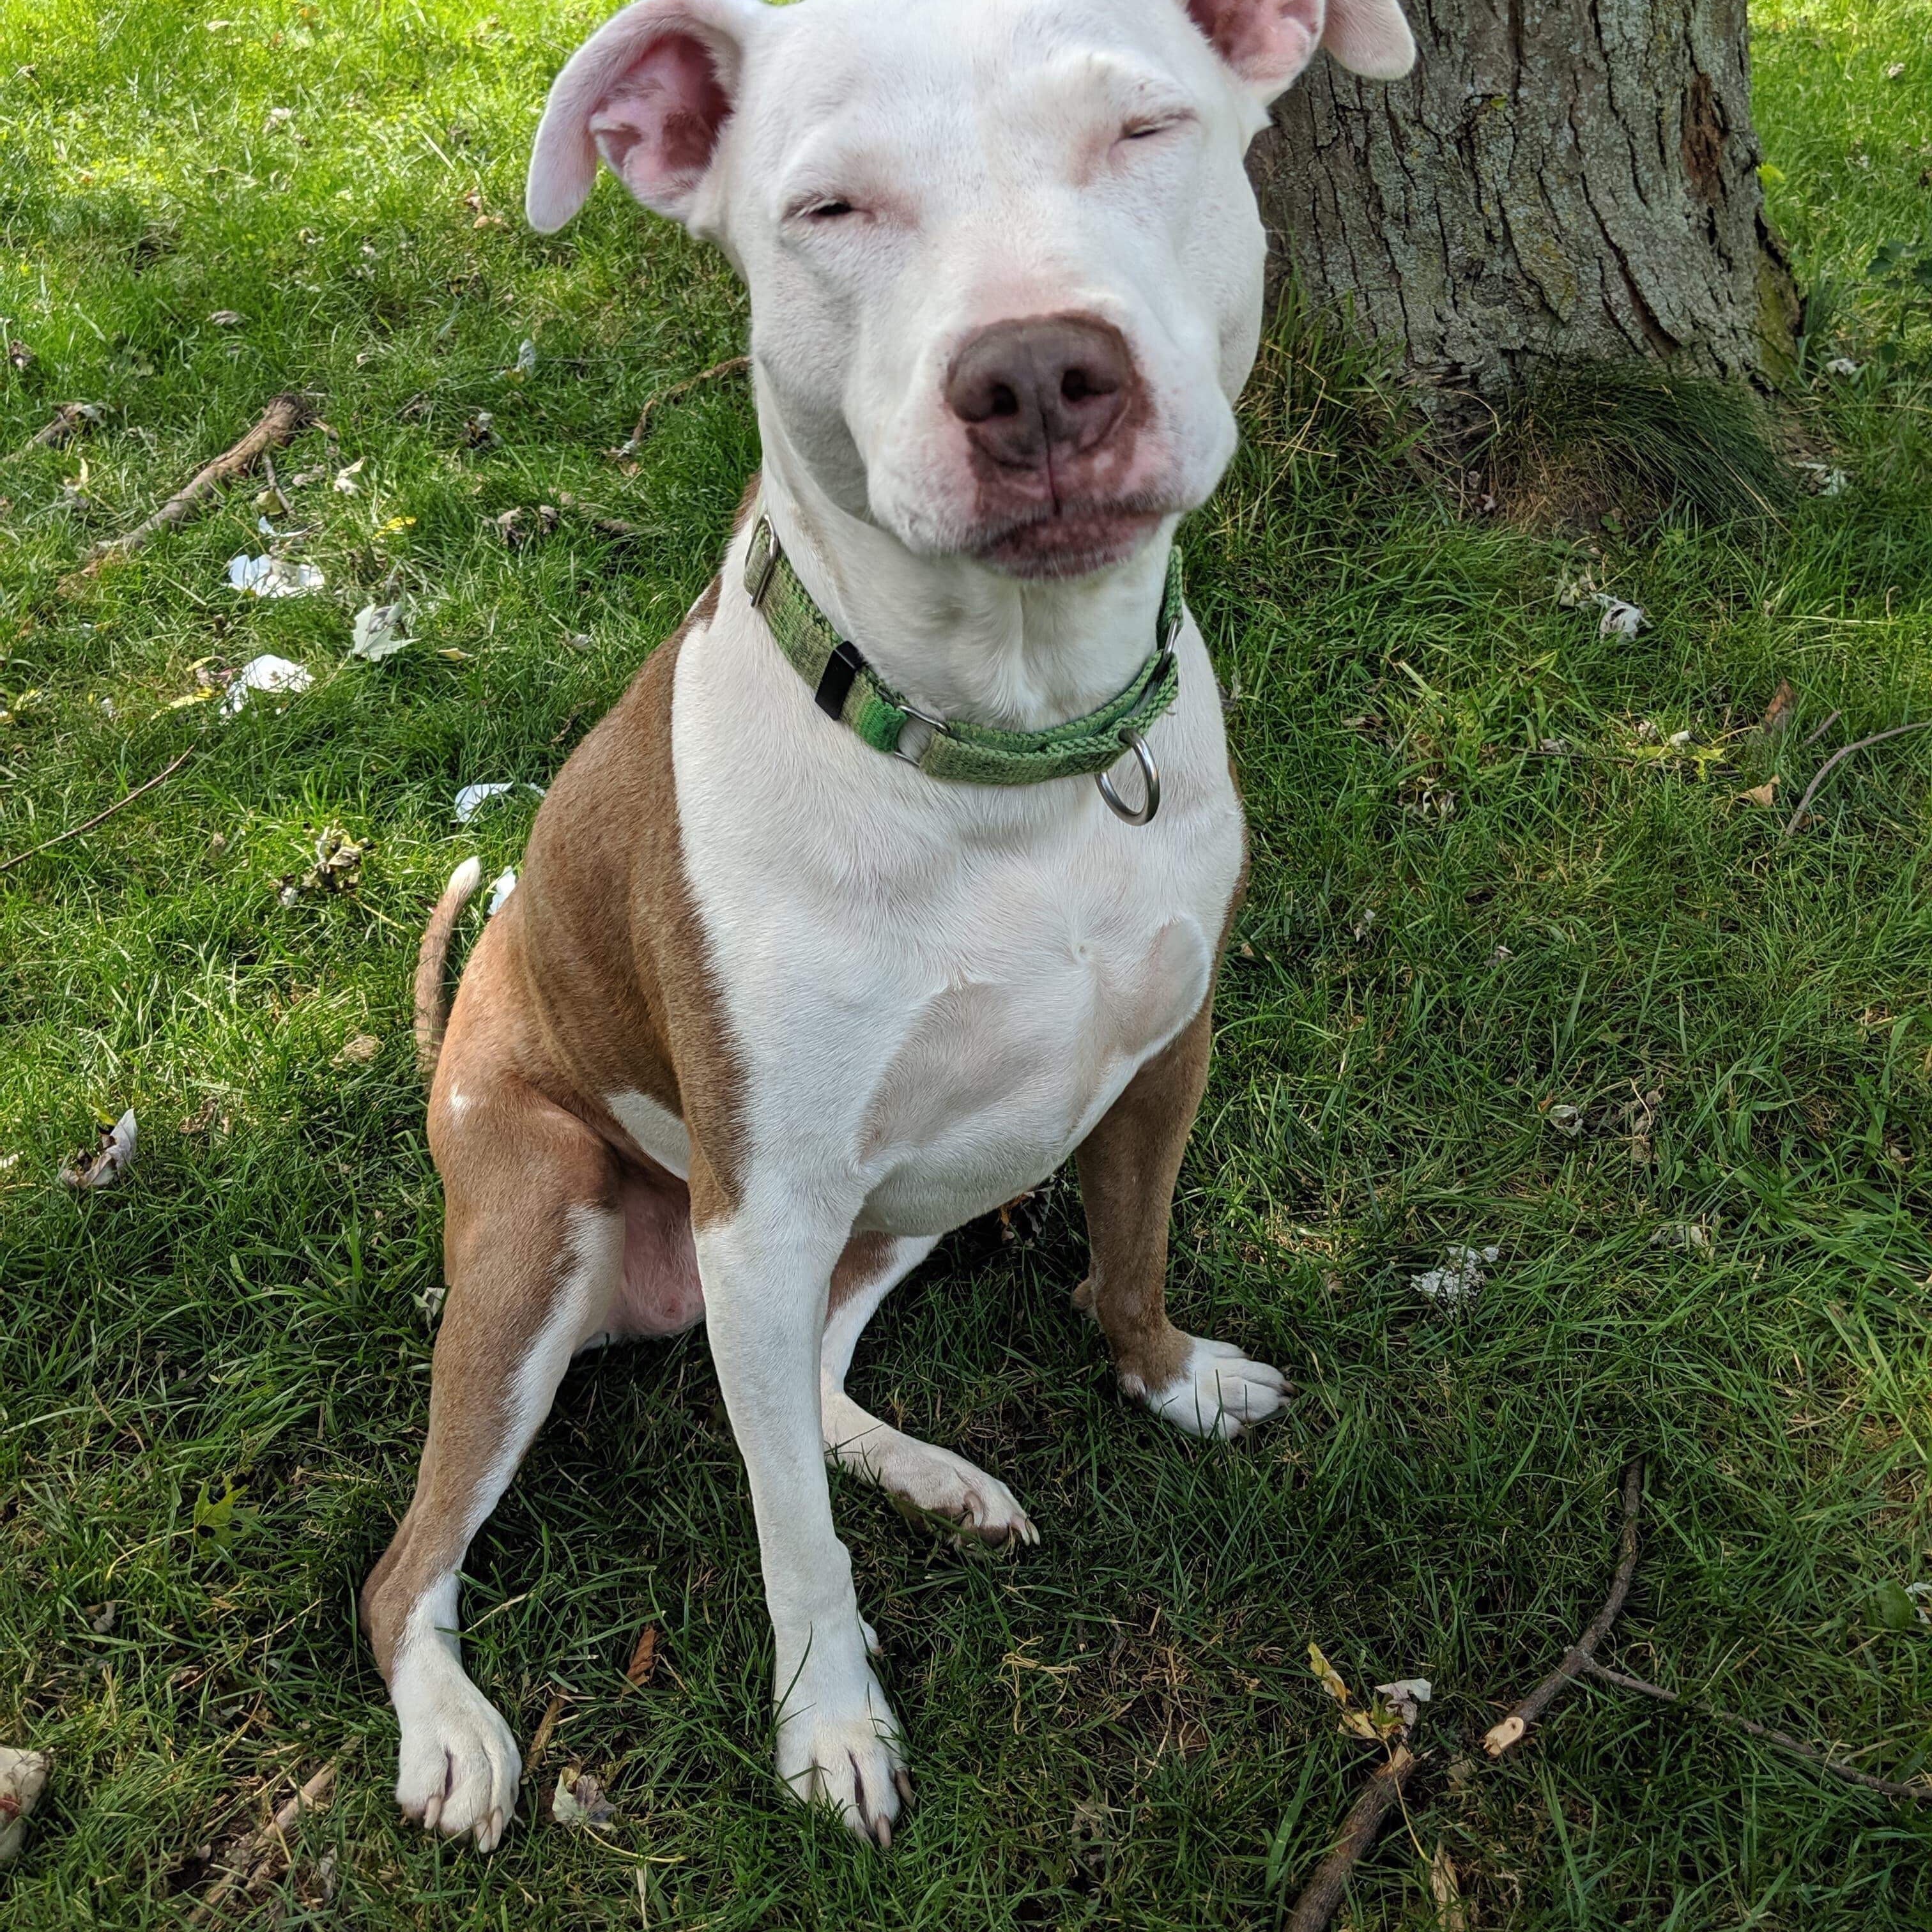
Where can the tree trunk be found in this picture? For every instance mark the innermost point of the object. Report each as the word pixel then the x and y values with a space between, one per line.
pixel 1558 181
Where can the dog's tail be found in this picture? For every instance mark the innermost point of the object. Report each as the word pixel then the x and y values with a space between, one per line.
pixel 432 1009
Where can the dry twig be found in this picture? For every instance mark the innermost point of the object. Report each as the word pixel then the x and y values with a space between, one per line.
pixel 70 420
pixel 1812 737
pixel 731 366
pixel 267 1852
pixel 1499 1737
pixel 1580 1661
pixel 1780 1740
pixel 88 825
pixel 279 420
pixel 1323 1892
pixel 1845 752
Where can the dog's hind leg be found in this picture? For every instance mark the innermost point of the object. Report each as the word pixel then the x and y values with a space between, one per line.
pixel 928 1478
pixel 534 1244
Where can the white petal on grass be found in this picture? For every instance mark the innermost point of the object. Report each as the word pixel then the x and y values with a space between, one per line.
pixel 1842 365
pixel 1567 1120
pixel 1620 620
pixel 1690 1237
pixel 1454 1284
pixel 227 318
pixel 266 673
pixel 472 799
pixel 273 576
pixel 23 1777
pixel 103 1164
pixel 526 358
pixel 1404 1696
pixel 501 887
pixel 345 479
pixel 379 630
pixel 1828 480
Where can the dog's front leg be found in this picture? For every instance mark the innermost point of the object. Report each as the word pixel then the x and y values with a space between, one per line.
pixel 1128 1166
pixel 766 1279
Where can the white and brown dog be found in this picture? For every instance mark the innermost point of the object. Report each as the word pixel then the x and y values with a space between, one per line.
pixel 771 1010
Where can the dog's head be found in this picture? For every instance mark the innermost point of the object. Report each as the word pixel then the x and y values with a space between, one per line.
pixel 1005 266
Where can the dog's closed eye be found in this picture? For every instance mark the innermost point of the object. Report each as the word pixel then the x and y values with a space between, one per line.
pixel 1148 129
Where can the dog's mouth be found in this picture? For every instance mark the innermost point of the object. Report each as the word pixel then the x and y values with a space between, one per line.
pixel 1071 541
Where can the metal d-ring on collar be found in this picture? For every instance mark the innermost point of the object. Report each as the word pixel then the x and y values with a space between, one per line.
pixel 1136 744
pixel 1150 777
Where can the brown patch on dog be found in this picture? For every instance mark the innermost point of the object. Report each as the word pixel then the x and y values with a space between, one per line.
pixel 615 968
pixel 1128 1165
pixel 613 962
pixel 864 1258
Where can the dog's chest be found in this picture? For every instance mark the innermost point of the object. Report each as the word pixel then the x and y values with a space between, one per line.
pixel 1001 1062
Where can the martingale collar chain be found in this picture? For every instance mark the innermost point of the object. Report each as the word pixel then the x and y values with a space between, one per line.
pixel 845 687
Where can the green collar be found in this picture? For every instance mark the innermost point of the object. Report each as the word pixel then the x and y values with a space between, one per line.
pixel 847 688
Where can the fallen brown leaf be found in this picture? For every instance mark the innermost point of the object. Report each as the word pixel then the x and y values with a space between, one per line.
pixel 644 1658
pixel 546 1724
pixel 1764 796
pixel 579 1800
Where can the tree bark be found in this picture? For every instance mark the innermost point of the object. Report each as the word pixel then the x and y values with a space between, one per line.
pixel 1557 181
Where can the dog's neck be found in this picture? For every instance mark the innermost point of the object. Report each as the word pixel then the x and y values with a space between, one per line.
pixel 958 639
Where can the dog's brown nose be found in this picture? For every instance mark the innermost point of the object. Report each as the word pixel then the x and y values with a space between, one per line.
pixel 1046 387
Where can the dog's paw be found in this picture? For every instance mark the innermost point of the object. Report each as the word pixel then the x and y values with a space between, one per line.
pixel 1218 1391
pixel 459 1766
pixel 843 1750
pixel 943 1484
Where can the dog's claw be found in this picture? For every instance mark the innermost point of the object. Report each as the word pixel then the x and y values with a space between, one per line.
pixel 902 1783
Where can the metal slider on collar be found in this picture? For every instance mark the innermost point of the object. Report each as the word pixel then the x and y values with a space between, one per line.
pixel 758 576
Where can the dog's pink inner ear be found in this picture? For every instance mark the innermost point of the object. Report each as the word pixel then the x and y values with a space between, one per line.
pixel 1266 42
pixel 658 125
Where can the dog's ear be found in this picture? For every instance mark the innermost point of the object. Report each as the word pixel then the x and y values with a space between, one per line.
pixel 650 91
pixel 1268 42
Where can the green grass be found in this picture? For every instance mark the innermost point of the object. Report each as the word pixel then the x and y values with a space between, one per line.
pixel 1410 994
